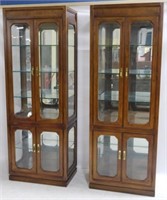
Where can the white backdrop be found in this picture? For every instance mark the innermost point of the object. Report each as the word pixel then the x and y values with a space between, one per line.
pixel 83 98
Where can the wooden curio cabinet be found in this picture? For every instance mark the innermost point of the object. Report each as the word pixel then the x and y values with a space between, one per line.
pixel 41 83
pixel 124 95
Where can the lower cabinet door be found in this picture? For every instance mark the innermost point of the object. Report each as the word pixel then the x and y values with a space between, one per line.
pixel 49 152
pixel 137 159
pixel 107 154
pixel 122 157
pixel 36 151
pixel 23 149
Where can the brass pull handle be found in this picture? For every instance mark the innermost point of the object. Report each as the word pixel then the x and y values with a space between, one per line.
pixel 124 155
pixel 121 73
pixel 38 148
pixel 32 71
pixel 126 72
pixel 119 155
pixel 37 71
pixel 34 148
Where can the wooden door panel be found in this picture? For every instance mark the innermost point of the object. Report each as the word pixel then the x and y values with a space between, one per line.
pixel 20 62
pixel 50 152
pixel 137 159
pixel 107 71
pixel 140 78
pixel 49 70
pixel 107 155
pixel 23 149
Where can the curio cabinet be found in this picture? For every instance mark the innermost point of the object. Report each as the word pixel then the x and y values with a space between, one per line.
pixel 41 85
pixel 124 95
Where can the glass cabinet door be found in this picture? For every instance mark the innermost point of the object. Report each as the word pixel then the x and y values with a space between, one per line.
pixel 48 41
pixel 71 146
pixel 24 150
pixel 108 155
pixel 22 70
pixel 109 72
pixel 49 152
pixel 137 158
pixel 71 70
pixel 139 74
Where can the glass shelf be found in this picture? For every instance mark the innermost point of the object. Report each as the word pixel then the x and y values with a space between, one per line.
pixel 109 71
pixel 141 45
pixel 23 94
pixel 109 45
pixel 48 45
pixel 140 71
pixel 22 45
pixel 22 71
pixel 42 70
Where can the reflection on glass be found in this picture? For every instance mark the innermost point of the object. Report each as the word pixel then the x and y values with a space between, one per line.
pixel 21 68
pixel 49 71
pixel 23 149
pixel 108 71
pixel 71 147
pixel 71 68
pixel 107 155
pixel 137 158
pixel 49 151
pixel 140 72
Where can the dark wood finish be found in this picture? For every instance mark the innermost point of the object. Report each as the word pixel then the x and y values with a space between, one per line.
pixel 34 17
pixel 125 15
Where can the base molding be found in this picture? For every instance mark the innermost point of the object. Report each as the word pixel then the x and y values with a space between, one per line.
pixel 123 189
pixel 55 182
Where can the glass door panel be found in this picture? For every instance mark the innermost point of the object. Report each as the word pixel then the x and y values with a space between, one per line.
pixel 22 70
pixel 71 70
pixel 107 155
pixel 49 70
pixel 108 71
pixel 23 149
pixel 137 158
pixel 71 147
pixel 140 72
pixel 49 151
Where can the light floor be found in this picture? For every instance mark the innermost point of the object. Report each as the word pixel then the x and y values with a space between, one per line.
pixel 77 189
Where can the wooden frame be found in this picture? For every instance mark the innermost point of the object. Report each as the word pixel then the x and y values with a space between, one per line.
pixel 125 15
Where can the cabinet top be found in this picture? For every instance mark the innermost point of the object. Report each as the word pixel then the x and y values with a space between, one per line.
pixel 127 10
pixel 36 12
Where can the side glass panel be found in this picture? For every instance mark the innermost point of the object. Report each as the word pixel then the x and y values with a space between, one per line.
pixel 21 69
pixel 71 147
pixel 107 155
pixel 23 149
pixel 137 158
pixel 108 71
pixel 71 70
pixel 49 148
pixel 140 73
pixel 49 71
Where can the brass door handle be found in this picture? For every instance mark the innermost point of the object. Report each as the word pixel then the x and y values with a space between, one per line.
pixel 121 73
pixel 127 72
pixel 38 148
pixel 119 155
pixel 124 155
pixel 34 148
pixel 32 71
pixel 37 71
